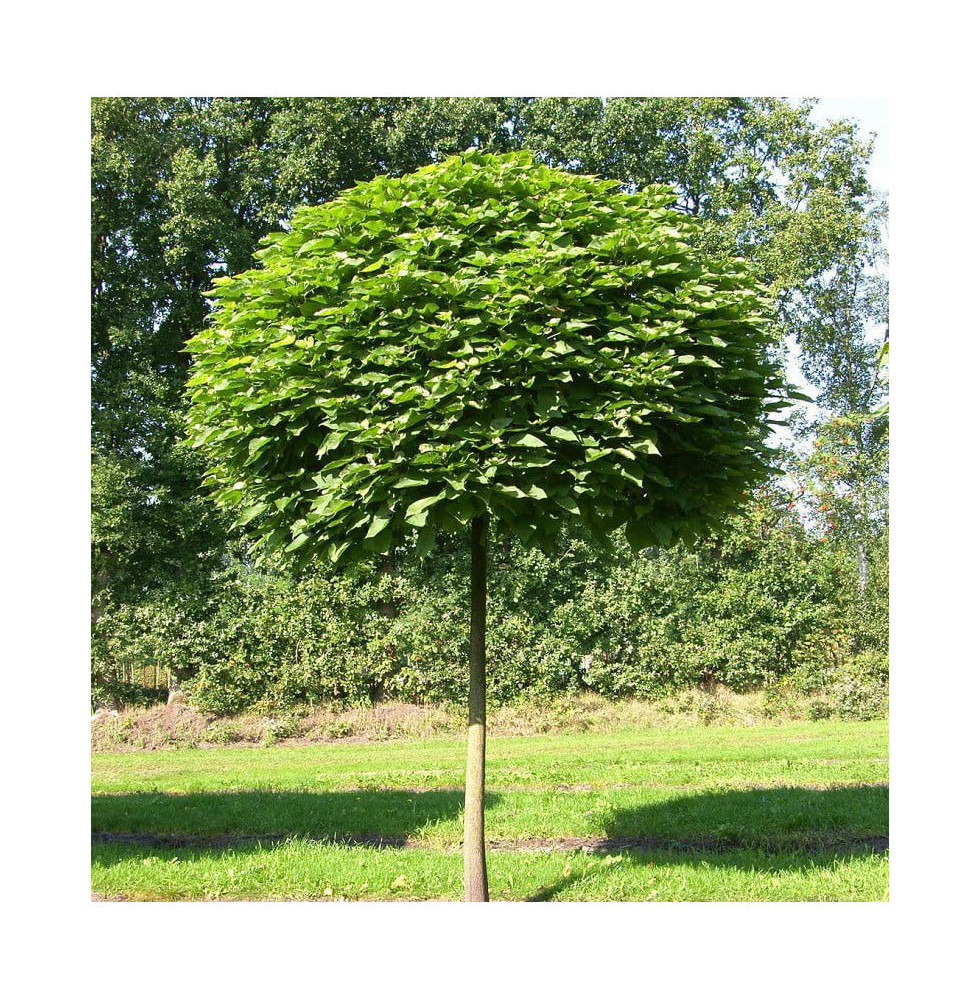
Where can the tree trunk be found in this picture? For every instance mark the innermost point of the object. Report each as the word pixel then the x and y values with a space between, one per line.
pixel 863 568
pixel 175 693
pixel 474 843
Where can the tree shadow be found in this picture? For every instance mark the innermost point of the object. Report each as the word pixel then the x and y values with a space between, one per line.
pixel 764 830
pixel 770 829
pixel 387 818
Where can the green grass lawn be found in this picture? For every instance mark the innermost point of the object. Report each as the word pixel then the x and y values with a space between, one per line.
pixel 791 812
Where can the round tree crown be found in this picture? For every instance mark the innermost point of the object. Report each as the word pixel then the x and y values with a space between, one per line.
pixel 486 335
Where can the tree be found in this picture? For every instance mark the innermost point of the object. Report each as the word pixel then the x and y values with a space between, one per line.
pixel 486 343
pixel 184 188
pixel 841 323
pixel 158 227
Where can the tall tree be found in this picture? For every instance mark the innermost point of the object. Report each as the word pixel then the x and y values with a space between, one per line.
pixel 840 320
pixel 486 344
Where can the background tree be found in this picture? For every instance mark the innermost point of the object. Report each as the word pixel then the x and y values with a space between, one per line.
pixel 484 340
pixel 840 322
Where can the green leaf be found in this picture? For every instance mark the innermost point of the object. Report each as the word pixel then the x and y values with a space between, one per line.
pixel 425 542
pixel 663 533
pixel 639 534
pixel 646 447
pixel 530 441
pixel 568 504
pixel 417 513
pixel 250 513
pixel 563 434
pixel 631 476
pixel 297 542
pixel 336 550
pixel 333 441
pixel 377 525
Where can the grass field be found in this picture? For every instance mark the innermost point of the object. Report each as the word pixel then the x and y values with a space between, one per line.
pixel 788 812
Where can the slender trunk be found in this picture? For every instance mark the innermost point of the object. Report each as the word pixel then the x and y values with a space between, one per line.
pixel 863 568
pixel 474 844
pixel 387 567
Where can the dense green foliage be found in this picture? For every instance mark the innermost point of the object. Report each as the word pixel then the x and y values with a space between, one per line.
pixel 764 604
pixel 485 335
pixel 183 190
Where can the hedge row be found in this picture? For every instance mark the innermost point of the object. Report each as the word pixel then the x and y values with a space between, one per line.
pixel 767 603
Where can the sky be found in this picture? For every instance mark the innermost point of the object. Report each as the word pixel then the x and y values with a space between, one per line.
pixel 872 116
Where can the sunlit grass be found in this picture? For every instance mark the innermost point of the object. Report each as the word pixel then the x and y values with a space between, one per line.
pixel 823 752
pixel 301 870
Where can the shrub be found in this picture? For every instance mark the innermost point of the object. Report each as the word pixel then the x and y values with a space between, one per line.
pixel 761 604
pixel 856 688
pixel 223 733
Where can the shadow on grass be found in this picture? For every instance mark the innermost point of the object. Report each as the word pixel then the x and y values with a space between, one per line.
pixel 384 818
pixel 770 829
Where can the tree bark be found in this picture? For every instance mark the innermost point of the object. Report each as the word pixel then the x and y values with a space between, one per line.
pixel 176 697
pixel 474 842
